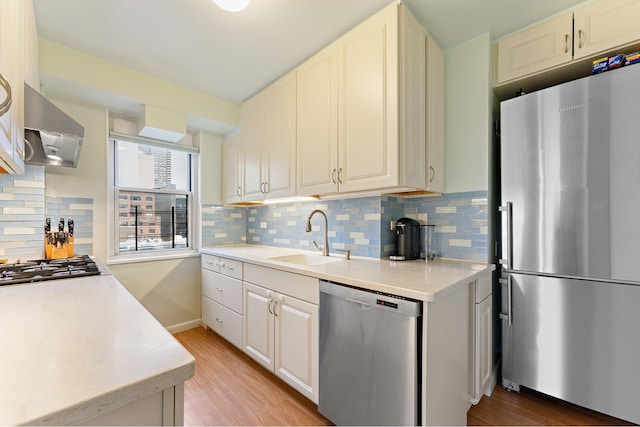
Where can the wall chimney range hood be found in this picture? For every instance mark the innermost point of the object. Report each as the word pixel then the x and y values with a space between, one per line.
pixel 53 137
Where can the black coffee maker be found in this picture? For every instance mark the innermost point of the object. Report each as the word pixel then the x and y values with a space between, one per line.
pixel 407 240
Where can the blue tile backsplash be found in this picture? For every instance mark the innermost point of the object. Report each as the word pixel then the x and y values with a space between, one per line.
pixel 23 209
pixel 361 224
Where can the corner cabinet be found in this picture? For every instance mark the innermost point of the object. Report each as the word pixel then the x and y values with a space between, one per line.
pixel 222 297
pixel 269 141
pixel 280 325
pixel 360 125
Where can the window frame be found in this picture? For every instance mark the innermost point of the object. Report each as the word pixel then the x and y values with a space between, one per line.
pixel 113 217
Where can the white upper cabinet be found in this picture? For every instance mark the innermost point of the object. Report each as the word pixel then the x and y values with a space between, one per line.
pixel 362 113
pixel 232 170
pixel 598 28
pixel 605 25
pixel 434 121
pixel 368 84
pixel 537 48
pixel 269 141
pixel 317 127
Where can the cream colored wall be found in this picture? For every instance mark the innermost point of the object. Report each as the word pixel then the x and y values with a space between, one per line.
pixel 170 289
pixel 468 115
pixel 67 65
pixel 211 172
pixel 89 178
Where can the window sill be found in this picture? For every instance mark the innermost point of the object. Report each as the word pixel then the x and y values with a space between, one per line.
pixel 147 257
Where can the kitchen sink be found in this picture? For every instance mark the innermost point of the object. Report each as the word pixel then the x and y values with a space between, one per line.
pixel 304 259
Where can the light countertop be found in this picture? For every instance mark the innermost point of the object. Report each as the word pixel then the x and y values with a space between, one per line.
pixel 74 349
pixel 417 279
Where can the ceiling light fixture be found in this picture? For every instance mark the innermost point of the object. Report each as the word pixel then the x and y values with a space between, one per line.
pixel 232 5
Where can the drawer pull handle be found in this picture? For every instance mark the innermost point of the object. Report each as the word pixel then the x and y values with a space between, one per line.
pixel 219 289
pixel 219 320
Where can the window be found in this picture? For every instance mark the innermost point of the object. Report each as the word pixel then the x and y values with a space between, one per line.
pixel 160 176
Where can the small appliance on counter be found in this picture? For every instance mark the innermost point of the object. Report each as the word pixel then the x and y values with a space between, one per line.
pixel 407 240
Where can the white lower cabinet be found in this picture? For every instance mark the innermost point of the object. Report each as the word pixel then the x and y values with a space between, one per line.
pixel 222 297
pixel 483 338
pixel 281 331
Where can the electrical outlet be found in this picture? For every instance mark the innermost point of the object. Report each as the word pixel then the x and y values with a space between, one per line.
pixel 423 218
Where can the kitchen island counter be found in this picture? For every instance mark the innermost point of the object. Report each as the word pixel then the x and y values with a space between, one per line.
pixel 78 349
pixel 417 279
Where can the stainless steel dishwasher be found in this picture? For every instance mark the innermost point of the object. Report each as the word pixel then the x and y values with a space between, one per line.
pixel 370 357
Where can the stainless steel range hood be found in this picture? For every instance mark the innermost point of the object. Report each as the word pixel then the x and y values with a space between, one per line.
pixel 53 137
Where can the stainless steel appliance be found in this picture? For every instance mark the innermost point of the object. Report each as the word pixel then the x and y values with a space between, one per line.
pixel 48 269
pixel 369 357
pixel 53 138
pixel 570 159
pixel 407 240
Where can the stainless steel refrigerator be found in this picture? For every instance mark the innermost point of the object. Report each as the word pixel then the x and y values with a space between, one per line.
pixel 570 212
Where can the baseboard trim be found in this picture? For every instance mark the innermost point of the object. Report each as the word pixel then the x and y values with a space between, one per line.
pixel 174 329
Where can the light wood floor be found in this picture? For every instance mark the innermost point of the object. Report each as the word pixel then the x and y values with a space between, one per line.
pixel 229 388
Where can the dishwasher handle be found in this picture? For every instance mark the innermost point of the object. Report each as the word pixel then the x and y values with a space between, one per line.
pixel 371 299
pixel 355 301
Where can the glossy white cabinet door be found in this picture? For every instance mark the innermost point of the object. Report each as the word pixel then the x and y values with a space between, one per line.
pixel 258 325
pixel 279 167
pixel 435 117
pixel 269 141
pixel 232 170
pixel 317 119
pixel 296 342
pixel 253 141
pixel 538 48
pixel 484 345
pixel 368 104
pixel 12 54
pixel 605 25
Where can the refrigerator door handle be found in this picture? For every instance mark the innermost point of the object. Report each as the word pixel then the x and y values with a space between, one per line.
pixel 507 259
pixel 507 316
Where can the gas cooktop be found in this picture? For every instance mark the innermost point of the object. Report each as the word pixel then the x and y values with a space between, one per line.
pixel 47 269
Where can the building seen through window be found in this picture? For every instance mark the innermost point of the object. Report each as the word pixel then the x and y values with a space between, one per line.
pixel 154 189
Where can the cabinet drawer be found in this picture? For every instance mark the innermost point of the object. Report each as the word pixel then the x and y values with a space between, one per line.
pixel 222 289
pixel 230 267
pixel 483 288
pixel 211 262
pixel 296 285
pixel 223 321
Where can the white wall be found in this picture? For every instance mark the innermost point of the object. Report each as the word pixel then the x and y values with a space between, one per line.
pixel 468 115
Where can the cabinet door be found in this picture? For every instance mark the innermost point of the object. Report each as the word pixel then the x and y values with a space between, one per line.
pixel 317 120
pixel 279 161
pixel 605 25
pixel 232 170
pixel 368 104
pixel 483 346
pixel 296 341
pixel 435 117
pixel 258 325
pixel 536 49
pixel 252 149
pixel 12 70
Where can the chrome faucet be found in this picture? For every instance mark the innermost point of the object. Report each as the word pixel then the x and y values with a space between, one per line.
pixel 325 249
